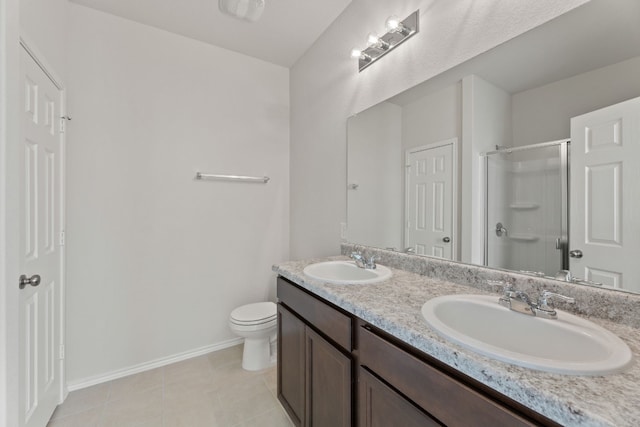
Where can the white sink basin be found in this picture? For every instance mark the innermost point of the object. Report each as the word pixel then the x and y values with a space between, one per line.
pixel 346 273
pixel 566 345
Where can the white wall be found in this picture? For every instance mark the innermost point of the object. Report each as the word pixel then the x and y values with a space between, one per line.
pixel 486 123
pixel 544 113
pixel 157 260
pixel 433 118
pixel 45 24
pixel 326 89
pixel 375 162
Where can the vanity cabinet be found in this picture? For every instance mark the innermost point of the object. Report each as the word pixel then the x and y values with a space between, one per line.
pixel 381 406
pixel 442 398
pixel 323 351
pixel 314 362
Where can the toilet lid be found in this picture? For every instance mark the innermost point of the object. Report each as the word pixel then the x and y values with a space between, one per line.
pixel 254 313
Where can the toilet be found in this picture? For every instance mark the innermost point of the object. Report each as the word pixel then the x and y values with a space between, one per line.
pixel 257 324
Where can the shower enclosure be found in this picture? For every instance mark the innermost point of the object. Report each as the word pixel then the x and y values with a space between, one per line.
pixel 526 208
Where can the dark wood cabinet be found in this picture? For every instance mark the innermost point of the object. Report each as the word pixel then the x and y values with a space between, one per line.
pixel 291 364
pixel 314 364
pixel 328 383
pixel 442 396
pixel 397 385
pixel 381 406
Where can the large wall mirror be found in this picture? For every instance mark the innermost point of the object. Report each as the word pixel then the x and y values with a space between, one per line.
pixel 524 158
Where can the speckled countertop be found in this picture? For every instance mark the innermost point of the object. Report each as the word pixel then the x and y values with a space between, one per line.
pixel 394 306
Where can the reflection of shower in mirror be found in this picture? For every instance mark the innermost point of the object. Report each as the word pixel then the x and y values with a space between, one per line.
pixel 526 194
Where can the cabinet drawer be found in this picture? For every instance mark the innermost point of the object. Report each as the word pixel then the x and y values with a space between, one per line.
pixel 331 322
pixel 448 400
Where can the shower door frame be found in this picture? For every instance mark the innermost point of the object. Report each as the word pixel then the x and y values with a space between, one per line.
pixel 562 243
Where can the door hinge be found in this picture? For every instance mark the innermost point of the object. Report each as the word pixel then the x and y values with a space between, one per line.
pixel 63 123
pixel 62 238
pixel 61 352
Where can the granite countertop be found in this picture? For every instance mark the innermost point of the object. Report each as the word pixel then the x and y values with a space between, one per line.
pixel 395 307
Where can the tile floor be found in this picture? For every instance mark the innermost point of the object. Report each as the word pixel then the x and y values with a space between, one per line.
pixel 207 391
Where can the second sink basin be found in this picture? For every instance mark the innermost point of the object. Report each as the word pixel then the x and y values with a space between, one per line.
pixel 567 345
pixel 346 273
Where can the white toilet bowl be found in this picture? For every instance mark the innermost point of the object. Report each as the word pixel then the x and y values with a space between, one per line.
pixel 257 324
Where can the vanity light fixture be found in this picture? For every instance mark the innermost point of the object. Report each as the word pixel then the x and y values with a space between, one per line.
pixel 376 42
pixel 394 25
pixel 362 56
pixel 397 32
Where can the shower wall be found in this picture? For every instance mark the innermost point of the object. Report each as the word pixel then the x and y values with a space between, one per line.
pixel 524 195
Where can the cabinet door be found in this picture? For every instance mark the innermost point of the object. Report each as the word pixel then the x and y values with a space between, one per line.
pixel 291 364
pixel 328 402
pixel 380 406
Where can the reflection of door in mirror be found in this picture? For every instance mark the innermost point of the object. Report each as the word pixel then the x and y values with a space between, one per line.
pixel 605 196
pixel 526 205
pixel 429 199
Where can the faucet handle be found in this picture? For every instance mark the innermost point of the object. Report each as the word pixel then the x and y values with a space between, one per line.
pixel 371 262
pixel 357 257
pixel 507 288
pixel 545 304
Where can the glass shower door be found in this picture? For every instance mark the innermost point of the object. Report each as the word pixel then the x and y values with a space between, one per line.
pixel 526 208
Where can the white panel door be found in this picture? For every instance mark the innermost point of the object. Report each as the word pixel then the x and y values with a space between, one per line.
pixel 429 211
pixel 605 196
pixel 40 251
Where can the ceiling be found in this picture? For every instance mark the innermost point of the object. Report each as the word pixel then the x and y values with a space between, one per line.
pixel 285 31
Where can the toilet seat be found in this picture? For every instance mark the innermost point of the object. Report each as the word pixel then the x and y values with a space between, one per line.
pixel 261 313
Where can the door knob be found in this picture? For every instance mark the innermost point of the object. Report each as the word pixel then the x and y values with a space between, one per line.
pixel 576 253
pixel 24 281
pixel 446 239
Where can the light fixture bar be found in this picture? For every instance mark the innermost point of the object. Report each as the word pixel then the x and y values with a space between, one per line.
pixel 398 34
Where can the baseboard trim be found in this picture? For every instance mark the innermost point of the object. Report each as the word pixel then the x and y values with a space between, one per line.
pixel 146 366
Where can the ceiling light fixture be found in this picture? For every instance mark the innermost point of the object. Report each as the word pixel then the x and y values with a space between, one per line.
pixel 246 10
pixel 377 47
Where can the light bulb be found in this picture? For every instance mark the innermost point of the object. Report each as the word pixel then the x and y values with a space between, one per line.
pixel 358 54
pixel 395 25
pixel 372 39
pixel 376 42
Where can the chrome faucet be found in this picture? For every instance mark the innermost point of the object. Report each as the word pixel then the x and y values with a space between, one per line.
pixel 545 308
pixel 364 262
pixel 519 301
